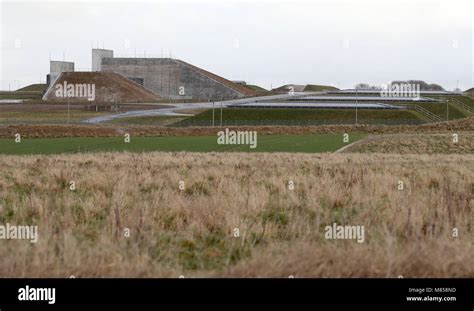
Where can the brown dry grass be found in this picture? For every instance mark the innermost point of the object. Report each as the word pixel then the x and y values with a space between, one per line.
pixel 416 144
pixel 29 131
pixel 189 232
pixel 109 87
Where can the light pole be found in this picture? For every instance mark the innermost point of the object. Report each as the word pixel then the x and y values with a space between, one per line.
pixel 357 97
pixel 221 111
pixel 212 113
pixel 447 109
pixel 68 110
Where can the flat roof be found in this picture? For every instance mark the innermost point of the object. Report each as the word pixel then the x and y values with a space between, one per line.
pixel 380 98
pixel 320 105
pixel 378 92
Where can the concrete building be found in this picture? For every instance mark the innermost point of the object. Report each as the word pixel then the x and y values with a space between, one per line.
pixel 172 78
pixel 98 55
pixel 55 68
pixel 165 78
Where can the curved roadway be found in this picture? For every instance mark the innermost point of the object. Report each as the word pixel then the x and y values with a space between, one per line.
pixel 174 109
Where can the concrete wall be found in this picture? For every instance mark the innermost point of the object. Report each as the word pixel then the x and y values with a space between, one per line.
pixel 56 67
pixel 166 77
pixel 98 55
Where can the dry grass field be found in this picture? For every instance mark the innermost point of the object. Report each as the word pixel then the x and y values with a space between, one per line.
pixel 441 143
pixel 190 231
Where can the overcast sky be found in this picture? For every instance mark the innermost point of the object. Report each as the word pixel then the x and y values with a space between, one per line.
pixel 269 43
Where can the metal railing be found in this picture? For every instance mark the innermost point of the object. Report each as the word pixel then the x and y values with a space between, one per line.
pixel 459 103
pixel 423 111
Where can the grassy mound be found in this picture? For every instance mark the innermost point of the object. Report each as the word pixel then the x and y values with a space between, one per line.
pixel 319 88
pixel 39 87
pixel 257 116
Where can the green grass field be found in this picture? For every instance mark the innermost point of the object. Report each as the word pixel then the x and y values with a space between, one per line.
pixel 265 143
pixel 256 116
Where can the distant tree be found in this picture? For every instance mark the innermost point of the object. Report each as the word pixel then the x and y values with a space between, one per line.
pixel 435 87
pixel 423 85
pixel 362 86
pixel 366 86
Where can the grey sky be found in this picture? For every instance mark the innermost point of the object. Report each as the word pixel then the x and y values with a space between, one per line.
pixel 263 42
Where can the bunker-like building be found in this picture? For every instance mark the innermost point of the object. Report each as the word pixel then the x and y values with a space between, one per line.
pixel 170 78
pixel 158 79
pixel 97 55
pixel 56 68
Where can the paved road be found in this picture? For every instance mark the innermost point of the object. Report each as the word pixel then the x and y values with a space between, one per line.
pixel 174 109
pixel 11 101
pixel 170 110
